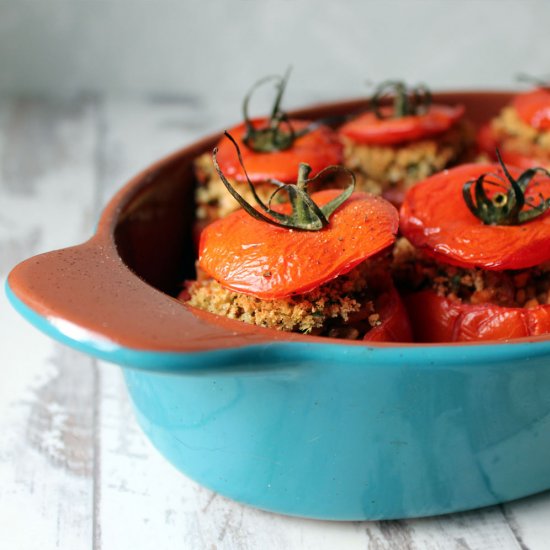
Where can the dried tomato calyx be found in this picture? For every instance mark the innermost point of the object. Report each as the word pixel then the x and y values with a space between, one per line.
pixel 539 82
pixel 407 101
pixel 278 133
pixel 306 215
pixel 506 203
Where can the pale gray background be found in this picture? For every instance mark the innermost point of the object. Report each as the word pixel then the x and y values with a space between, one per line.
pixel 216 48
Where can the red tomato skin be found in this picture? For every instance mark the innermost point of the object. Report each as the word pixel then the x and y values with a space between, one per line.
pixel 533 108
pixel 259 259
pixel 435 218
pixel 370 130
pixel 394 321
pixel 486 141
pixel 320 148
pixel 437 319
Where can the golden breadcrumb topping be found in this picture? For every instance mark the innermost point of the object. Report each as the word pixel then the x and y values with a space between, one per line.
pixel 212 198
pixel 379 167
pixel 515 135
pixel 513 288
pixel 214 201
pixel 342 307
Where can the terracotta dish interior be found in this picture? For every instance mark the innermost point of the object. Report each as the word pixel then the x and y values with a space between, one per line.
pixel 120 285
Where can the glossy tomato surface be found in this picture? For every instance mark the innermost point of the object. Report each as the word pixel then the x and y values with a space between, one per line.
pixel 254 257
pixel 437 319
pixel 394 322
pixel 319 148
pixel 435 218
pixel 370 130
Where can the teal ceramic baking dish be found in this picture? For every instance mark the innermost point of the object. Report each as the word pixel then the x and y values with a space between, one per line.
pixel 295 424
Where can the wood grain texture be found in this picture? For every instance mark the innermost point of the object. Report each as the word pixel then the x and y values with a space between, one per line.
pixel 75 470
pixel 46 394
pixel 129 481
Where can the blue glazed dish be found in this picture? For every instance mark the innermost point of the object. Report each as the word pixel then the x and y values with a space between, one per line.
pixel 294 424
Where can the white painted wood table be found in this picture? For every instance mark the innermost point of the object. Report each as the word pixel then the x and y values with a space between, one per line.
pixel 75 470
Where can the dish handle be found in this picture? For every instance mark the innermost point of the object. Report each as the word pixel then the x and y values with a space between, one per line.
pixel 86 297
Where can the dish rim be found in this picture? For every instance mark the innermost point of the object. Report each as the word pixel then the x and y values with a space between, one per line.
pixel 57 321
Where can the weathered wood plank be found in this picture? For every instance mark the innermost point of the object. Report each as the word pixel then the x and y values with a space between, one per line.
pixel 46 395
pixel 529 519
pixel 480 529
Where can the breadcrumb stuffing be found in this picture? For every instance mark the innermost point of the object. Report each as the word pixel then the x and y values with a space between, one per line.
pixel 381 167
pixel 214 201
pixel 342 307
pixel 515 135
pixel 211 196
pixel 512 288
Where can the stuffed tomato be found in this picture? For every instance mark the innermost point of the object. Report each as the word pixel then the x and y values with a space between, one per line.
pixel 316 264
pixel 521 131
pixel 475 262
pixel 392 147
pixel 271 148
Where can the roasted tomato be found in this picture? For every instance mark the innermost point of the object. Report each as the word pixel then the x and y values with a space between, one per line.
pixel 469 217
pixel 291 267
pixel 411 116
pixel 318 148
pixel 521 132
pixel 253 257
pixel 488 144
pixel 370 129
pixel 435 218
pixel 270 263
pixel 402 141
pixel 272 147
pixel 394 323
pixel 437 319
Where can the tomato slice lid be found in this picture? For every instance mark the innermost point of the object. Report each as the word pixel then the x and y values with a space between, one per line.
pixel 318 148
pixel 256 258
pixel 369 129
pixel 435 217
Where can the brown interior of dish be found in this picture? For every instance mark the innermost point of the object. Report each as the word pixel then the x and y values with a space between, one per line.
pixel 121 284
